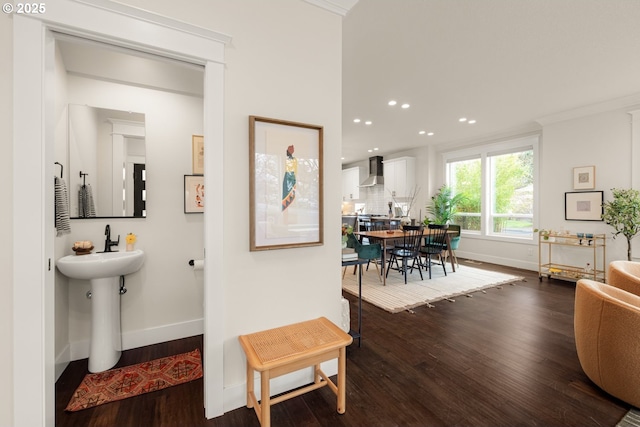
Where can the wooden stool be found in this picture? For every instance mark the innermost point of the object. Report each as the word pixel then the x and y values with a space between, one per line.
pixel 279 351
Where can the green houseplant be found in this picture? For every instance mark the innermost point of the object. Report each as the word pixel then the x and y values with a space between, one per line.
pixel 623 214
pixel 443 206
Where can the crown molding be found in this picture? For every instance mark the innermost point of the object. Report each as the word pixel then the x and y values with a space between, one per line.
pixel 601 107
pixel 143 15
pixel 496 137
pixel 339 7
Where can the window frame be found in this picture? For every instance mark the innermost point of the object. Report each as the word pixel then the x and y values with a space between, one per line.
pixel 484 152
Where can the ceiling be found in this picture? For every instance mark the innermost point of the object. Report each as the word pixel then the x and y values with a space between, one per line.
pixel 505 63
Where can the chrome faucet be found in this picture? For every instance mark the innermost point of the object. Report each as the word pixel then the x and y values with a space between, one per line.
pixel 108 243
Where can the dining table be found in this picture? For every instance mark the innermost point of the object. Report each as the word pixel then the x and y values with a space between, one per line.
pixel 385 236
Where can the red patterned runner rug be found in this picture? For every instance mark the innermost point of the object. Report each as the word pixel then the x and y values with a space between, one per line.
pixel 121 383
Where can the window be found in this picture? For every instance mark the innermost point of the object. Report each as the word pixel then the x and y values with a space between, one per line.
pixel 465 176
pixel 498 182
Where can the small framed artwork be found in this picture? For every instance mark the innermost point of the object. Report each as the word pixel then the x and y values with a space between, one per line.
pixel 197 154
pixel 583 205
pixel 193 194
pixel 285 184
pixel 584 178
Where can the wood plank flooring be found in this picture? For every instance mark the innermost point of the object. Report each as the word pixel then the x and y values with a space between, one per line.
pixel 501 358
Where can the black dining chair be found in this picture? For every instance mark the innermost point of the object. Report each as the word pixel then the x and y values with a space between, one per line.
pixel 434 244
pixel 409 250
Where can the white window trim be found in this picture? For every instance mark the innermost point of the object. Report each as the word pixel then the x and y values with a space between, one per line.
pixel 482 152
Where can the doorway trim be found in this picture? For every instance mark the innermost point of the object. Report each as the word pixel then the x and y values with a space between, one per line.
pixel 33 169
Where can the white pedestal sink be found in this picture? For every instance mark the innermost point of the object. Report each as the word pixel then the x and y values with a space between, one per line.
pixel 103 270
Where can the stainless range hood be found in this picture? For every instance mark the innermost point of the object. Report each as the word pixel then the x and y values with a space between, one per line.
pixel 375 173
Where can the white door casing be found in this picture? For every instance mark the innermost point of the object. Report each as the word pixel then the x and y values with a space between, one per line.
pixel 33 206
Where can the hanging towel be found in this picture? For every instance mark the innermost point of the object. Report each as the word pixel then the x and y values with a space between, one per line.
pixel 86 207
pixel 91 207
pixel 63 225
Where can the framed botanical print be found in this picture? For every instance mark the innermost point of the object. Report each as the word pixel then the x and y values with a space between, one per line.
pixel 197 154
pixel 193 194
pixel 583 205
pixel 584 178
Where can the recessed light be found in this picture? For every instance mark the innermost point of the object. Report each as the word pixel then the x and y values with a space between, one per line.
pixel 392 103
pixel 341 158
pixel 422 132
pixel 368 122
pixel 462 119
pixel 375 149
pixel 471 122
pixel 430 134
pixel 370 151
pixel 405 106
pixel 356 120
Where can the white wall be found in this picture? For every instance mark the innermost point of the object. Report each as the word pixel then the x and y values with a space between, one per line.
pixel 602 140
pixel 6 231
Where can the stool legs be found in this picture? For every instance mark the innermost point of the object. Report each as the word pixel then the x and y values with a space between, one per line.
pixel 265 399
pixel 249 386
pixel 342 380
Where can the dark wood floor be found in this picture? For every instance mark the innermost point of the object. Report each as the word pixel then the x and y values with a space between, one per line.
pixel 501 358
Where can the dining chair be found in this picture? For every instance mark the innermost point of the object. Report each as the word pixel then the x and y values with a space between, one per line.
pixel 370 252
pixel 434 244
pixel 409 250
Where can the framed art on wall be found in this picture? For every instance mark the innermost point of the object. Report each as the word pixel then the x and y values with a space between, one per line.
pixel 197 154
pixel 285 184
pixel 193 194
pixel 584 178
pixel 583 205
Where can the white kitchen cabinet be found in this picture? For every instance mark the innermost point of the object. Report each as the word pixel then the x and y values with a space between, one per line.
pixel 399 176
pixel 351 184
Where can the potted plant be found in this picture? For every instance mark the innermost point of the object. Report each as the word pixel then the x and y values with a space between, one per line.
pixel 623 214
pixel 346 230
pixel 546 234
pixel 443 206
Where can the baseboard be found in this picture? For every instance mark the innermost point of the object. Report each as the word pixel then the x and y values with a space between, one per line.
pixel 140 338
pixel 62 361
pixel 508 262
pixel 235 396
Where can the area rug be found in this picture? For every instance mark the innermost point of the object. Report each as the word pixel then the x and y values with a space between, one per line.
pixel 631 419
pixel 397 296
pixel 121 383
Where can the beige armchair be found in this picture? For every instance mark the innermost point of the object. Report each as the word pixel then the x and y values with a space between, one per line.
pixel 625 275
pixel 607 333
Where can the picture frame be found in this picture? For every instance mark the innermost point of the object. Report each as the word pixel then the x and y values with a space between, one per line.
pixel 197 154
pixel 583 205
pixel 193 194
pixel 285 184
pixel 584 178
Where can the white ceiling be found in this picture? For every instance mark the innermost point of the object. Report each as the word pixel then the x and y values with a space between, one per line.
pixel 505 63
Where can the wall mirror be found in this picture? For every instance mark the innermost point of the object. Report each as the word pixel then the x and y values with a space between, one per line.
pixel 107 158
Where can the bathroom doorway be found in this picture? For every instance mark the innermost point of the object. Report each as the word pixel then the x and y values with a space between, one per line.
pixel 34 323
